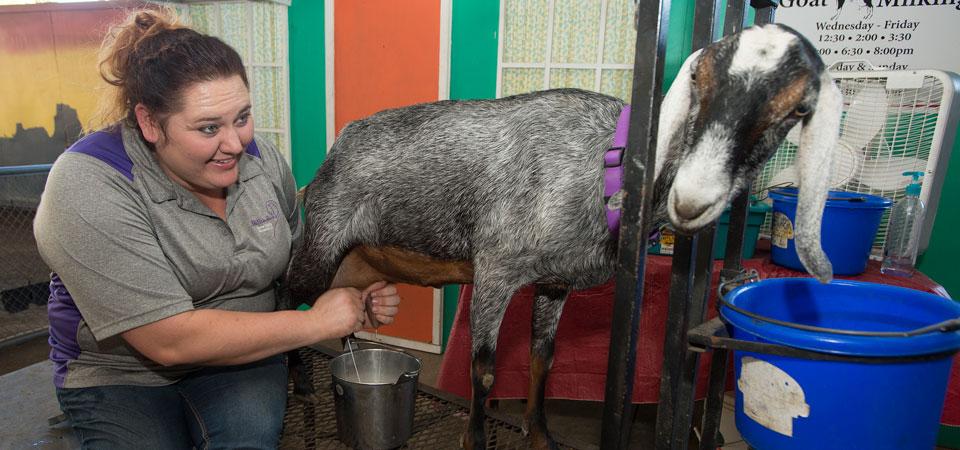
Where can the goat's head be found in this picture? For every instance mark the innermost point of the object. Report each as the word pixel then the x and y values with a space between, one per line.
pixel 729 109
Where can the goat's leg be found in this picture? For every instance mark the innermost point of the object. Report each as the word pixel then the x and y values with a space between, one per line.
pixel 310 274
pixel 547 307
pixel 313 266
pixel 489 303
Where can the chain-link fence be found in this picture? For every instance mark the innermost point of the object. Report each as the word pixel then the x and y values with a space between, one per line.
pixel 23 274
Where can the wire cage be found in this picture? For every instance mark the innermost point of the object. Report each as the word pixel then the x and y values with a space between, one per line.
pixel 893 122
pixel 24 276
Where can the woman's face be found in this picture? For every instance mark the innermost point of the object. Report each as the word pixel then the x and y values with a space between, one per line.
pixel 202 143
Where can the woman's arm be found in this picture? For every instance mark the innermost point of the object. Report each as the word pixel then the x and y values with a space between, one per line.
pixel 219 337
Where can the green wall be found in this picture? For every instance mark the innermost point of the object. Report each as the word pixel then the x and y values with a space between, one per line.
pixel 473 49
pixel 938 262
pixel 308 118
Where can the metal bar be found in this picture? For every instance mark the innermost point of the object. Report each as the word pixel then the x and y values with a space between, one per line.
pixel 687 297
pixel 713 335
pixel 765 10
pixel 697 305
pixel 736 17
pixel 674 343
pixel 652 22
pixel 24 170
pixel 689 292
pixel 735 236
pixel 704 22
pixel 713 407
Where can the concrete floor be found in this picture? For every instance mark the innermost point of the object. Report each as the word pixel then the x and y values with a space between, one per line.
pixel 24 354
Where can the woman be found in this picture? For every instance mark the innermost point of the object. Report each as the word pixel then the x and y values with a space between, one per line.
pixel 167 234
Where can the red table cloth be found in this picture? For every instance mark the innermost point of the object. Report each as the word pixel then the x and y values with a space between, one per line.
pixel 582 341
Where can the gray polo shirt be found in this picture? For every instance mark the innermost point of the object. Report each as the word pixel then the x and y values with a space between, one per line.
pixel 129 247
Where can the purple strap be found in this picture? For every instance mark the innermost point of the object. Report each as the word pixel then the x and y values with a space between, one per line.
pixel 613 169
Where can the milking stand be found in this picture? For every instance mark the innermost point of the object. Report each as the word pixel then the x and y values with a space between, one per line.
pixel 692 258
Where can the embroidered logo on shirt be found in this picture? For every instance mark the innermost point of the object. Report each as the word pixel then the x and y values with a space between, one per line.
pixel 268 221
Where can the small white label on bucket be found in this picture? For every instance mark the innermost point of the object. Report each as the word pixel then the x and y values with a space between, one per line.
pixel 771 397
pixel 782 230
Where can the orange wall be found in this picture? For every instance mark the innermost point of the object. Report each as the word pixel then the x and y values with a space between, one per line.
pixel 386 54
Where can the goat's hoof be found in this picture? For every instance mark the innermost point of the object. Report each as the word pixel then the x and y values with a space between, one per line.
pixel 543 442
pixel 477 443
pixel 540 439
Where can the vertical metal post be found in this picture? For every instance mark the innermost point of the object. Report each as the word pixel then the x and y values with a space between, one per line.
pixel 732 263
pixel 734 22
pixel 765 10
pixel 689 291
pixel 705 22
pixel 735 235
pixel 713 406
pixel 652 22
pixel 736 17
pixel 689 288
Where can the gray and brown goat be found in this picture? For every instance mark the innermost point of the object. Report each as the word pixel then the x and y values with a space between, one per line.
pixel 509 192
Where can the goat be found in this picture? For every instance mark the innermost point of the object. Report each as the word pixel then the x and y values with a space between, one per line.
pixel 508 192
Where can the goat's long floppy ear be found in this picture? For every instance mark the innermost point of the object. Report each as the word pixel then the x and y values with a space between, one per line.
pixel 674 109
pixel 814 157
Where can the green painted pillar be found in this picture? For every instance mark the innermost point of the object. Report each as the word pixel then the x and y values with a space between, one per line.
pixel 308 118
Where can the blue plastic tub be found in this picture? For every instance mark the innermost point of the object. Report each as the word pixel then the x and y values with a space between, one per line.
pixel 850 222
pixel 785 403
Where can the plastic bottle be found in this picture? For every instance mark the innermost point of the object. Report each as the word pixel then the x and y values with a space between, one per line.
pixel 903 231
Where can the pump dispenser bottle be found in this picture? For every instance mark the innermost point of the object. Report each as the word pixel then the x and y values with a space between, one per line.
pixel 903 231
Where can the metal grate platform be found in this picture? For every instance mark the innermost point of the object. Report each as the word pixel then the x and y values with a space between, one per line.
pixel 439 419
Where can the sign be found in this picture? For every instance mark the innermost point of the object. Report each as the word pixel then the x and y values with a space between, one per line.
pixel 890 34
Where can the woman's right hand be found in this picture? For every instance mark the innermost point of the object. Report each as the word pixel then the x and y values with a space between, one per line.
pixel 341 310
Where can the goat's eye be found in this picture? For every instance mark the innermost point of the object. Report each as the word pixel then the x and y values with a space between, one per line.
pixel 801 111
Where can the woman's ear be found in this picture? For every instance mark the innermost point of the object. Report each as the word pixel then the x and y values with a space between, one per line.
pixel 149 126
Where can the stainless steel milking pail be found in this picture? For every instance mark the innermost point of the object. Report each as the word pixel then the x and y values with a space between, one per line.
pixel 374 397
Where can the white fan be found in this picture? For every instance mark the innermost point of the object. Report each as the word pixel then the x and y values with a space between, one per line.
pixel 894 121
pixel 863 121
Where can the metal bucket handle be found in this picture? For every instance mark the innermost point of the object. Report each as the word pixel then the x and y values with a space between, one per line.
pixel 405 376
pixel 946 326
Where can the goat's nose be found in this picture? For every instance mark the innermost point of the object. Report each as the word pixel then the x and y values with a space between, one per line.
pixel 690 208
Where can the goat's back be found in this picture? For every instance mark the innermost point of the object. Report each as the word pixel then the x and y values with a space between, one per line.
pixel 521 175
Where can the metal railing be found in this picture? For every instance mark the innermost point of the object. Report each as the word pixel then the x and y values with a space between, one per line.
pixel 692 259
pixel 23 274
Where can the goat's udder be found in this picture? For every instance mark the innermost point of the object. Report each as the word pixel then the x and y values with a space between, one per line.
pixel 365 265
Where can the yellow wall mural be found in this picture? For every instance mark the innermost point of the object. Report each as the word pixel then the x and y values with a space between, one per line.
pixel 49 81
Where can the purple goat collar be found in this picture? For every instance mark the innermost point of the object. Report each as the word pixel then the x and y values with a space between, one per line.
pixel 613 172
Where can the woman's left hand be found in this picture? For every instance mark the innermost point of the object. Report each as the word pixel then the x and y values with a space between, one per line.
pixel 383 300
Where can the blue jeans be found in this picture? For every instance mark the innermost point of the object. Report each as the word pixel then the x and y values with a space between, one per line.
pixel 216 407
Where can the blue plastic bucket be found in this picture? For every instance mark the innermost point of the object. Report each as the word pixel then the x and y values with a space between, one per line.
pixel 787 403
pixel 850 222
